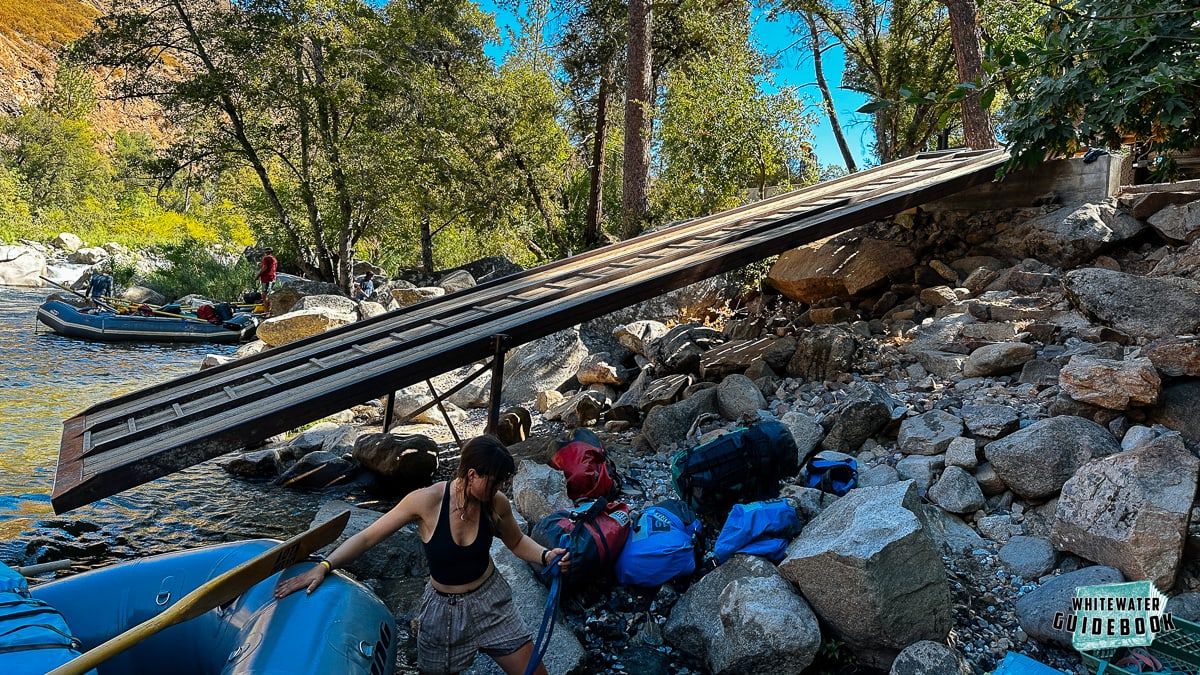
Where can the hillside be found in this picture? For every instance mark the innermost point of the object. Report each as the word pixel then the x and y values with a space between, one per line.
pixel 31 32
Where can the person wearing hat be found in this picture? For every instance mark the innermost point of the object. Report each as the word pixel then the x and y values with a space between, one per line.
pixel 266 275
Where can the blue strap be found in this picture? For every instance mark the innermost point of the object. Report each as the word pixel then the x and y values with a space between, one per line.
pixel 551 612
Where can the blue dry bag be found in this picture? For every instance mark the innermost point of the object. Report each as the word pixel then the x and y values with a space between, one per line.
pixel 759 528
pixel 660 547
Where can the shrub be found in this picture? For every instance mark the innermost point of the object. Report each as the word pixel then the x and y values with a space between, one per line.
pixel 197 267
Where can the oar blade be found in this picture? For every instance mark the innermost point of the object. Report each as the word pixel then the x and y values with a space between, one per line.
pixel 214 593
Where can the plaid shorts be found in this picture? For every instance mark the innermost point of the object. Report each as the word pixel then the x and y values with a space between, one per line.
pixel 453 627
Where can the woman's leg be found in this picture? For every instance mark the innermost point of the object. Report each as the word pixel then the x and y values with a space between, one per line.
pixel 515 663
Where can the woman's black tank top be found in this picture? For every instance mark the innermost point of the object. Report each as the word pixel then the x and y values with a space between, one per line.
pixel 451 564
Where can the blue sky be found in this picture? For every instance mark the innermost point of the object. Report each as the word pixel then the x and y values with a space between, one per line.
pixel 795 68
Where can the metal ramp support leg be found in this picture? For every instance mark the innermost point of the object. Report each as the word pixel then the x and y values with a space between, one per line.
pixel 499 346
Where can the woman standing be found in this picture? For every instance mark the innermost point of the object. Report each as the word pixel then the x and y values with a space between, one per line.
pixel 467 606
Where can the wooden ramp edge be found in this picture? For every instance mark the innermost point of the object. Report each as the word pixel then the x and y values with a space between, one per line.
pixel 135 438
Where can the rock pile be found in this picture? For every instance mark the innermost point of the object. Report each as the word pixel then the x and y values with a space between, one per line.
pixel 1022 426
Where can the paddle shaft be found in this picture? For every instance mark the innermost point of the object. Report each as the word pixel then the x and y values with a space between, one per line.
pixel 41 568
pixel 214 593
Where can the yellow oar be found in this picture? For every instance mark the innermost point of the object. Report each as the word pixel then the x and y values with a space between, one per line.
pixel 214 593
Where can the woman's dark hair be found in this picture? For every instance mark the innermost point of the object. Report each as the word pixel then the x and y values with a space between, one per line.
pixel 491 460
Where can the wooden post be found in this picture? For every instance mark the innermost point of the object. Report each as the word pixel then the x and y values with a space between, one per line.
pixel 498 344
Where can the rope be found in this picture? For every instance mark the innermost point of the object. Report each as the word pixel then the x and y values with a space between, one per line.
pixel 550 614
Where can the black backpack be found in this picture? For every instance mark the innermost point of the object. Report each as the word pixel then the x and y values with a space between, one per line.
pixel 744 465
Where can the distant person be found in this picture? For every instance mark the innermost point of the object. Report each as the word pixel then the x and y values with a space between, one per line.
pixel 99 287
pixel 467 606
pixel 364 287
pixel 266 275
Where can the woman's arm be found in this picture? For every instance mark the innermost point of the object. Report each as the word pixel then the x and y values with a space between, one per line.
pixel 409 510
pixel 520 543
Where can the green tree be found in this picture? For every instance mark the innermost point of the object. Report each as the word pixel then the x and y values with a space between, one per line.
pixel 1106 72
pixel 895 49
pixel 722 137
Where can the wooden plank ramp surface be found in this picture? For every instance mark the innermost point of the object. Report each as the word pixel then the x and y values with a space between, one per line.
pixel 144 435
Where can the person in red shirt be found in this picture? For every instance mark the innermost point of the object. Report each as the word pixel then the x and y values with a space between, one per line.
pixel 266 275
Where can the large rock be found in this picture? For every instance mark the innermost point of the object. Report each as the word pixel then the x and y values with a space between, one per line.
pixel 280 330
pixel 1175 357
pixel 88 256
pixel 872 574
pixel 335 303
pixel 287 292
pixel 1036 609
pixel 1130 511
pixel 990 420
pixel 1110 383
pixel 929 658
pixel 738 395
pixel 929 433
pixel 940 335
pixel 669 424
pixel 744 618
pixel 1179 408
pixel 21 266
pixel 541 365
pixel 822 353
pixel 1178 222
pixel 68 242
pixel 998 359
pixel 679 350
pixel 865 410
pixel 402 461
pixel 539 490
pixel 957 491
pixel 1123 301
pixel 143 295
pixel 1068 236
pixel 1035 461
pixel 458 280
pixel 637 335
pixel 844 264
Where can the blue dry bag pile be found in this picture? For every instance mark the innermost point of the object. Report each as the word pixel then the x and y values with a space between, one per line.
pixel 661 546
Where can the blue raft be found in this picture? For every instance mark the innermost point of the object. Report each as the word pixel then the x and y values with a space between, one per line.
pixel 66 319
pixel 340 628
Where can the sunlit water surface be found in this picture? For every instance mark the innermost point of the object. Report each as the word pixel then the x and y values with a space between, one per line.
pixel 45 379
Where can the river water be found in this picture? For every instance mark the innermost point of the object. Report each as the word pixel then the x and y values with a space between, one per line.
pixel 46 379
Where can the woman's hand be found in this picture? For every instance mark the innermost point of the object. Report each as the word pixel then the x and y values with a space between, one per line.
pixel 308 580
pixel 564 563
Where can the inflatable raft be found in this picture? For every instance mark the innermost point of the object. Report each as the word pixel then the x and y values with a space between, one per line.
pixel 341 628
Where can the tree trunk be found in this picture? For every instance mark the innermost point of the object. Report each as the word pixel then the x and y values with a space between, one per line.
pixel 830 111
pixel 639 95
pixel 968 55
pixel 595 209
pixel 426 245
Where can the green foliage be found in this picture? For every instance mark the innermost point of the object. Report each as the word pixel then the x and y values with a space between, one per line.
pixel 1105 71
pixel 722 137
pixel 896 51
pixel 195 267
pixel 15 219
